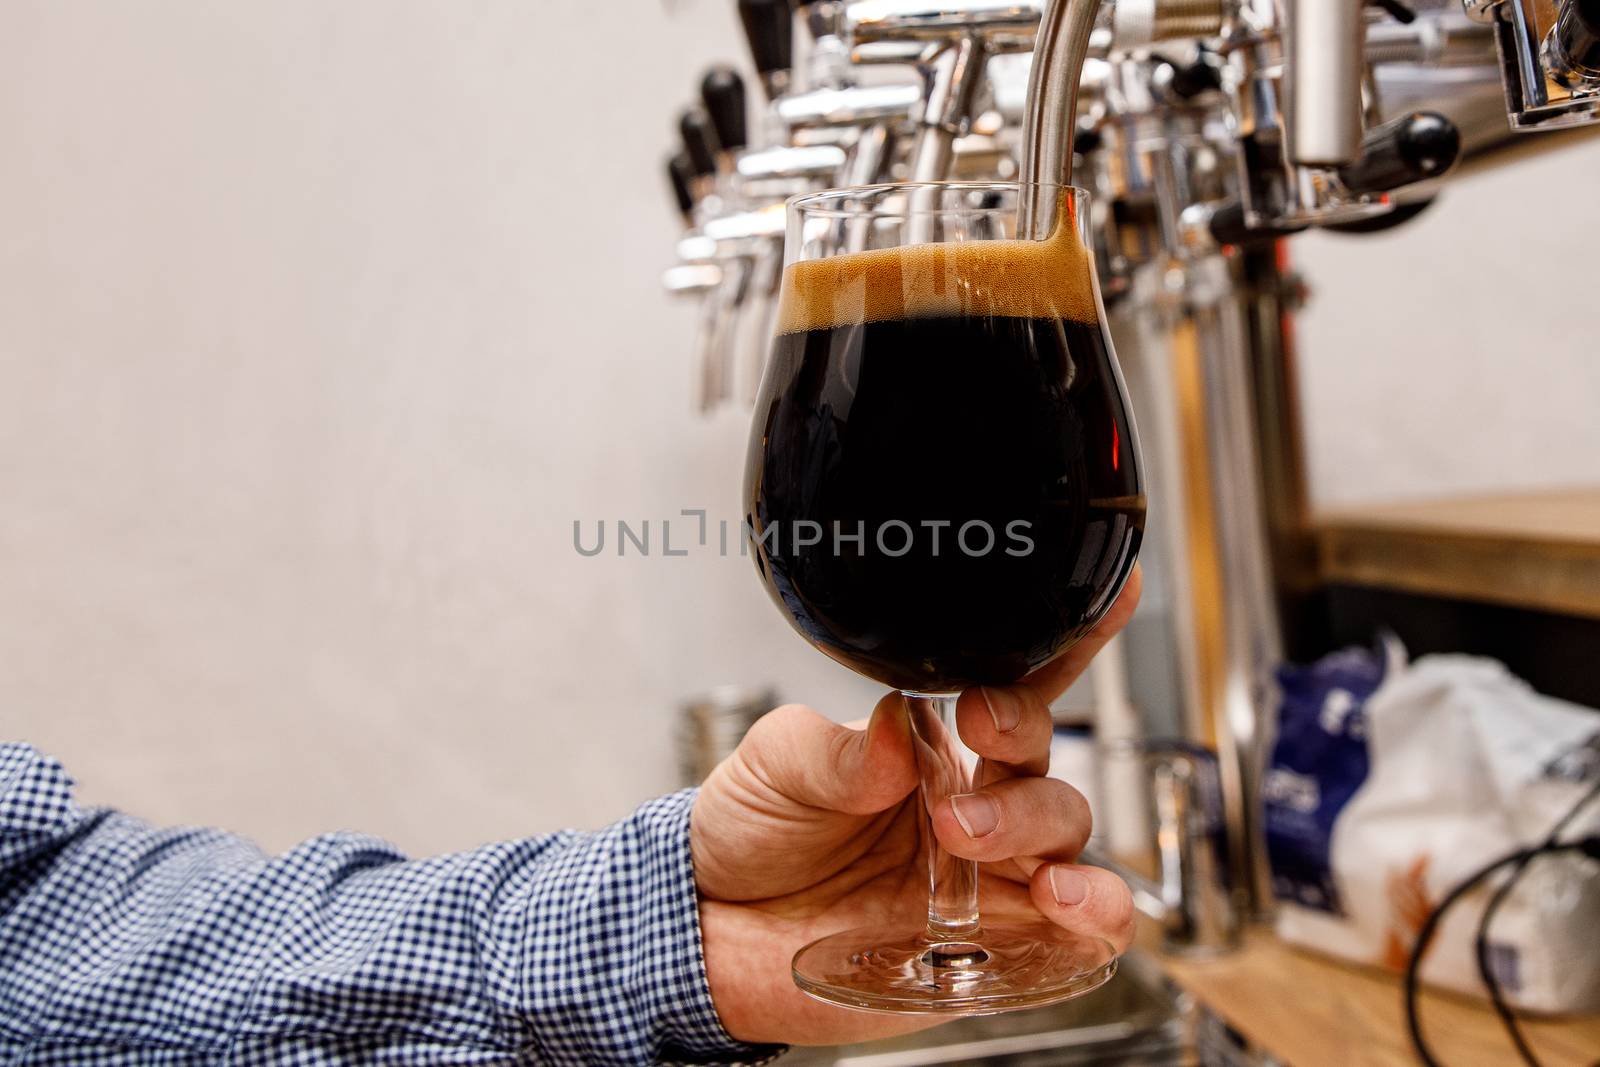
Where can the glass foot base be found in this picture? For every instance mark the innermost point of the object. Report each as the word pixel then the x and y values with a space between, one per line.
pixel 1004 967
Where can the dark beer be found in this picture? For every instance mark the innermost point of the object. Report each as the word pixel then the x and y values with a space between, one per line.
pixel 942 489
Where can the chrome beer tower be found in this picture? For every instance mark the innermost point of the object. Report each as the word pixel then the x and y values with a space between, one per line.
pixel 1208 131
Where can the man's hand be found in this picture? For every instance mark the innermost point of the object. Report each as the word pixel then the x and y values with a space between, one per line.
pixel 811 828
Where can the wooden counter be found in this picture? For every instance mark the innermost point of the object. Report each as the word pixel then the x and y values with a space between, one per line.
pixel 1536 550
pixel 1312 1012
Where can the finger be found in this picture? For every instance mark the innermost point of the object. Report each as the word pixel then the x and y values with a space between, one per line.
pixel 1051 680
pixel 1085 900
pixel 1033 817
pixel 811 760
pixel 1007 726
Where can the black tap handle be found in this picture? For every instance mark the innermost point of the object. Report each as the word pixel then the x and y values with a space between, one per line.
pixel 1397 10
pixel 722 93
pixel 680 172
pixel 1189 80
pixel 769 29
pixel 1411 148
pixel 1086 139
pixel 1228 227
pixel 699 141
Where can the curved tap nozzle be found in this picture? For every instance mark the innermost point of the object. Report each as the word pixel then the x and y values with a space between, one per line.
pixel 1050 119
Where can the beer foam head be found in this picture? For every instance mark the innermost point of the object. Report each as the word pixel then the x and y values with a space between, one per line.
pixel 1048 279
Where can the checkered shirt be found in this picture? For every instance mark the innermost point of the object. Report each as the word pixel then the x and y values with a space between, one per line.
pixel 123 943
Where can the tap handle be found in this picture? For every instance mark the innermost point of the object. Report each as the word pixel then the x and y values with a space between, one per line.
pixel 1189 80
pixel 722 93
pixel 1411 148
pixel 769 28
pixel 680 172
pixel 1228 226
pixel 699 141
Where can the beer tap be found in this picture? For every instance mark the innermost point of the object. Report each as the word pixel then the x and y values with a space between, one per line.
pixel 1572 47
pixel 700 149
pixel 769 31
pixel 831 108
pixel 1288 173
pixel 867 119
pixel 680 177
pixel 714 347
pixel 769 34
pixel 1549 58
pixel 722 96
pixel 1210 130
pixel 833 58
pixel 762 178
pixel 722 289
pixel 696 277
pixel 958 37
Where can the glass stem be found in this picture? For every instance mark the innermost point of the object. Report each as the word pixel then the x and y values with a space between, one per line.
pixel 944 769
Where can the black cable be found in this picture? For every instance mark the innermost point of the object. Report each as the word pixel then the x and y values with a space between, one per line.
pixel 1481 943
pixel 1589 846
pixel 1425 938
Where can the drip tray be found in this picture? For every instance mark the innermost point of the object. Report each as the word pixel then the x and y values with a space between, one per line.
pixel 1134 1019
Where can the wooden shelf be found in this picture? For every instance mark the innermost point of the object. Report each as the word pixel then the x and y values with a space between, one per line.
pixel 1535 550
pixel 1312 1012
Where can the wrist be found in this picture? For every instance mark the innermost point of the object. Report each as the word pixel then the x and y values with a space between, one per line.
pixel 744 993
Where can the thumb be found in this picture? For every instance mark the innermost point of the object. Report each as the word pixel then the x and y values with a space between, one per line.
pixel 811 760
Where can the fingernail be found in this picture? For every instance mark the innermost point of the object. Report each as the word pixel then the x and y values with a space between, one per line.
pixel 1068 886
pixel 1003 709
pixel 978 814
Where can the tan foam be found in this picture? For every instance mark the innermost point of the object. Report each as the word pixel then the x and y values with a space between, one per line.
pixel 1003 279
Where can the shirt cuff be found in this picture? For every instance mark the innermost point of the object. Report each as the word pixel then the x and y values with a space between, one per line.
pixel 689 1029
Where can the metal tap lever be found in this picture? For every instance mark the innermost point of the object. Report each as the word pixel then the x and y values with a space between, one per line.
pixel 855 106
pixel 963 34
pixel 1411 148
pixel 722 93
pixel 813 161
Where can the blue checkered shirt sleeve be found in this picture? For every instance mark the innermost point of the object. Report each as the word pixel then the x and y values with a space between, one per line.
pixel 123 943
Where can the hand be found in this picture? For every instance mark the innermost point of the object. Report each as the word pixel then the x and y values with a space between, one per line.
pixel 810 828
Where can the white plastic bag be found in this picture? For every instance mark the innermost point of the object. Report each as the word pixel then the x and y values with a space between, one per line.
pixel 1467 763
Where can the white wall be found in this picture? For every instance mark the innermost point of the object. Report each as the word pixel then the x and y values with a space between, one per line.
pixel 321 322
pixel 319 325
pixel 1461 352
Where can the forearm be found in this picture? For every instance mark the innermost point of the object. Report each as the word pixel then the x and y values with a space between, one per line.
pixel 571 948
